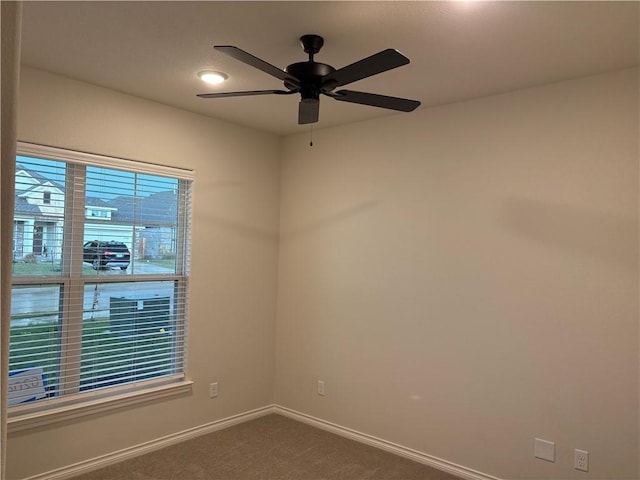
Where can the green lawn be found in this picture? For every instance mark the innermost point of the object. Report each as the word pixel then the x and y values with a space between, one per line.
pixel 21 268
pixel 170 264
pixel 35 346
pixel 47 269
pixel 107 358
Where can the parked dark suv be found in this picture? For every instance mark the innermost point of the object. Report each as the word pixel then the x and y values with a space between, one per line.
pixel 103 255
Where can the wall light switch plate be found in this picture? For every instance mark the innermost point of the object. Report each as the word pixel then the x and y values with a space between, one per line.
pixel 545 450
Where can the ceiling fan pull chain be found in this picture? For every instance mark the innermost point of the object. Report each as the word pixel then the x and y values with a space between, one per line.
pixel 311 135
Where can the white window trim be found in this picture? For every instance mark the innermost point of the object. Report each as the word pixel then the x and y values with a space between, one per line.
pixel 95 160
pixel 60 409
pixel 25 417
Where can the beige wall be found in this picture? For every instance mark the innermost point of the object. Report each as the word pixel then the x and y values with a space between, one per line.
pixel 465 278
pixel 234 258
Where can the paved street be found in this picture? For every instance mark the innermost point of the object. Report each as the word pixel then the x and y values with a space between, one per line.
pixel 96 301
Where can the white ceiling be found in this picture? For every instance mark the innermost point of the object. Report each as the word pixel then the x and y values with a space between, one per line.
pixel 458 49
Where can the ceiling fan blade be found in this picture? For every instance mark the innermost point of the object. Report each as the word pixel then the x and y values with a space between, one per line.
pixel 377 63
pixel 375 100
pixel 308 111
pixel 256 62
pixel 246 93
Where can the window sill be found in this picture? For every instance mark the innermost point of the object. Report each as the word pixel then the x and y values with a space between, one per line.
pixel 28 417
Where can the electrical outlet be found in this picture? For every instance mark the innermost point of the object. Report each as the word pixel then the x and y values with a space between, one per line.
pixel 545 450
pixel 213 390
pixel 581 460
pixel 321 387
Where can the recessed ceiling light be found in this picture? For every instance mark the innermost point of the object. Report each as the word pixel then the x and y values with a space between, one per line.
pixel 212 77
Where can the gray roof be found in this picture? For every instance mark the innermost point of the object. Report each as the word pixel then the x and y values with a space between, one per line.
pixel 96 202
pixel 22 206
pixel 157 209
pixel 39 177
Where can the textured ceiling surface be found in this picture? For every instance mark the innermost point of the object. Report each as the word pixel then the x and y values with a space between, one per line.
pixel 458 49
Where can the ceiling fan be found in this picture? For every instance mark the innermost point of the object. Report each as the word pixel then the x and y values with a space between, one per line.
pixel 311 78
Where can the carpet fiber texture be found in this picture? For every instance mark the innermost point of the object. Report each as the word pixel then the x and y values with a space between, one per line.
pixel 272 447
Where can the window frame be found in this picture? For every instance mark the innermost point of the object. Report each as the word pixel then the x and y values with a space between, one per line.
pixel 71 403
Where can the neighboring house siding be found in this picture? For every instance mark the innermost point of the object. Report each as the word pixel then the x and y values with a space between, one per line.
pixel 38 220
pixel 157 242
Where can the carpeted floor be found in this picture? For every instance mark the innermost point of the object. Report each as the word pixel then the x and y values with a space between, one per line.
pixel 268 448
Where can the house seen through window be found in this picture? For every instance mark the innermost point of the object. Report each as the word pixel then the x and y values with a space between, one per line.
pixel 100 273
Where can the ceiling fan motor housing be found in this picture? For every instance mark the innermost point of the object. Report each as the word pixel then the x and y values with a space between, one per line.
pixel 310 75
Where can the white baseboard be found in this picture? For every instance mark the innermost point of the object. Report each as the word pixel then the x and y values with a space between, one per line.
pixel 430 460
pixel 147 447
pixel 162 442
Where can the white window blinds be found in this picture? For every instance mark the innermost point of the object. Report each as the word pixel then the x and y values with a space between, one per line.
pixel 100 275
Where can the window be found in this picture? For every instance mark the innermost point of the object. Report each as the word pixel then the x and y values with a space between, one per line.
pixel 93 212
pixel 98 301
pixel 46 197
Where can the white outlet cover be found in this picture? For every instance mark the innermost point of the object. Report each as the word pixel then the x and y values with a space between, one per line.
pixel 545 450
pixel 581 460
pixel 213 390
